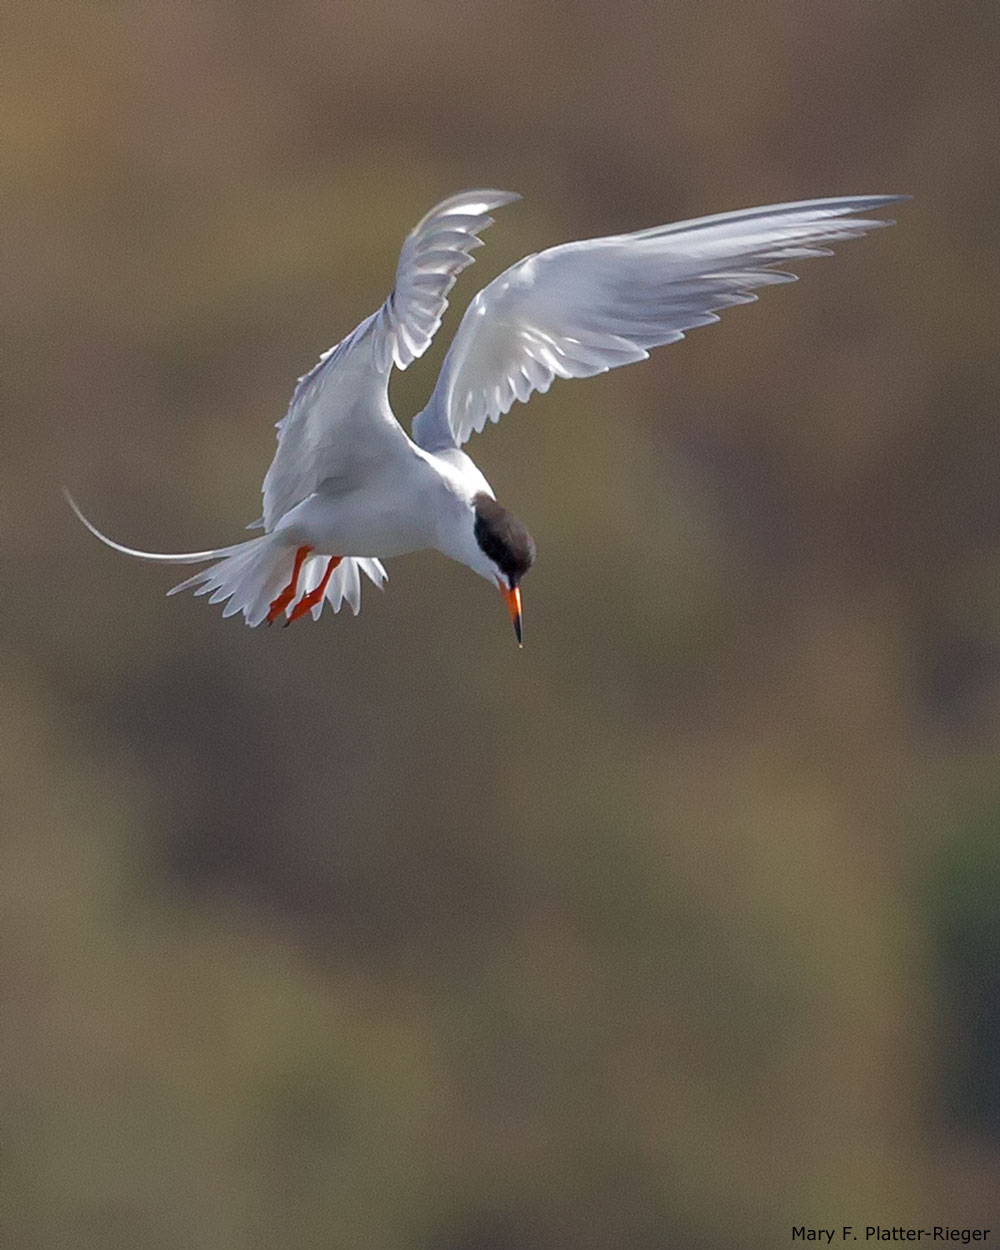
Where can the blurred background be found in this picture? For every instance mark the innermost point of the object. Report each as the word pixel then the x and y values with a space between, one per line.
pixel 677 928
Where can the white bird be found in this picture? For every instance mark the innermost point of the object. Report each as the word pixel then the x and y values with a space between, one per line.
pixel 347 487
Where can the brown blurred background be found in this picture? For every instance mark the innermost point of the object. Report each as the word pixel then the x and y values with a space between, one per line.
pixel 675 929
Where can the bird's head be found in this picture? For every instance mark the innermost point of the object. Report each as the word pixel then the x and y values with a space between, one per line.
pixel 508 548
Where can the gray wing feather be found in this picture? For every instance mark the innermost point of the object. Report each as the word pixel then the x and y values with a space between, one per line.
pixel 434 254
pixel 583 308
pixel 327 432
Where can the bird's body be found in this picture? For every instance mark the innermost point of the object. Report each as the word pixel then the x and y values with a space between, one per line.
pixel 406 496
pixel 348 487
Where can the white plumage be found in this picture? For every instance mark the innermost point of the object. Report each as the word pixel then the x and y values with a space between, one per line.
pixel 347 482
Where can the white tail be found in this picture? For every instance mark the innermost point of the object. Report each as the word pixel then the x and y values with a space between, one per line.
pixel 253 573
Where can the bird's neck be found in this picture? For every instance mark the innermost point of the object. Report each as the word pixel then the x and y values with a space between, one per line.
pixel 462 482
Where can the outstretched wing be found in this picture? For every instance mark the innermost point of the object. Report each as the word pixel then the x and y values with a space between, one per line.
pixel 338 420
pixel 584 308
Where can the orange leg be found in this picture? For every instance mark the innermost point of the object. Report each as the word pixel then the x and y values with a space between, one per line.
pixel 288 594
pixel 314 596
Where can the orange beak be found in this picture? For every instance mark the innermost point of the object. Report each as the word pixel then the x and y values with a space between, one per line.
pixel 513 600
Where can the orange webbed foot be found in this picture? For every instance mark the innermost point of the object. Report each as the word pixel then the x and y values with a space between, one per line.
pixel 310 600
pixel 288 594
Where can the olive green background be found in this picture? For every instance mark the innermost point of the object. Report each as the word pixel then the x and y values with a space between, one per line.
pixel 676 929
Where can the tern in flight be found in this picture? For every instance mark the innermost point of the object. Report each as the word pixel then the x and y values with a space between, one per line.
pixel 347 486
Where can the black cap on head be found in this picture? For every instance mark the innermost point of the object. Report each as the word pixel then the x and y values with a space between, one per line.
pixel 503 538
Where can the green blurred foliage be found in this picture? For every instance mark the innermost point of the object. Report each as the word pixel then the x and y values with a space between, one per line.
pixel 678 927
